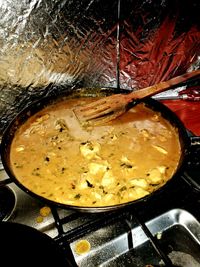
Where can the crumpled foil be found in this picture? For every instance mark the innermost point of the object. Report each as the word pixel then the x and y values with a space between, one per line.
pixel 49 46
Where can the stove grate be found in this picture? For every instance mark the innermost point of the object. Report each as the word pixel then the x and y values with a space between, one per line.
pixel 64 238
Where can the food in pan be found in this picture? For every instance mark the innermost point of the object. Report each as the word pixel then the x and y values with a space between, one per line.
pixel 118 162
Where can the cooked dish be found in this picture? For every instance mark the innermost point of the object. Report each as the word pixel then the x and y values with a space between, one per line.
pixel 118 162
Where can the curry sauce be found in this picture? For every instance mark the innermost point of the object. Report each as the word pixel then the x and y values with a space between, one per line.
pixel 53 156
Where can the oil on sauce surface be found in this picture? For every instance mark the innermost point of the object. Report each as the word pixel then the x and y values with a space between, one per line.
pixel 121 161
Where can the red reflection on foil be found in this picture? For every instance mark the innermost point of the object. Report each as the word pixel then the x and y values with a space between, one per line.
pixel 162 55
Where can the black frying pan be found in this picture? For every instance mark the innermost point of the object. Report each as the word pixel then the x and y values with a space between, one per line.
pixel 23 246
pixel 92 92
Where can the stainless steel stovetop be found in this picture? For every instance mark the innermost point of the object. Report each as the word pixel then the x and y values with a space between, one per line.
pixel 135 237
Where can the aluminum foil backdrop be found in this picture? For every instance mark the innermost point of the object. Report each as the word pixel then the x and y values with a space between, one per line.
pixel 49 46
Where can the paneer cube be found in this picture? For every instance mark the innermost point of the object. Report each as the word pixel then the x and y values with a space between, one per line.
pixel 156 174
pixel 140 192
pixel 141 182
pixel 108 179
pixel 134 193
pixel 98 168
pixel 90 150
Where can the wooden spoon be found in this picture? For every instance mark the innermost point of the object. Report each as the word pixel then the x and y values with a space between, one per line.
pixel 110 107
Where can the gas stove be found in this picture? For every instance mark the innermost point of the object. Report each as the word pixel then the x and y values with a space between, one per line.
pixel 165 231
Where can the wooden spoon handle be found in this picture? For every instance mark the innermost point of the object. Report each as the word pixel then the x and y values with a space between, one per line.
pixel 160 87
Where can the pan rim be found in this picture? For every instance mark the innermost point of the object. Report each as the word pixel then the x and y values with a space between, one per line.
pixel 80 92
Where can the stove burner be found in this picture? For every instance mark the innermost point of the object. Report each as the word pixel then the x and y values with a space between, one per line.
pixel 7 202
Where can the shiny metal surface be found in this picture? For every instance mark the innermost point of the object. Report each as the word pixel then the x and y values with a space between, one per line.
pixel 190 94
pixel 27 211
pixel 114 251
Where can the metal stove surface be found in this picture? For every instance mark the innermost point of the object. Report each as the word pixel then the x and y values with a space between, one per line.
pixel 120 239
pixel 26 210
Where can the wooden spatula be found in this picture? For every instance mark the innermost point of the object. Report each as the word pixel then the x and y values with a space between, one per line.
pixel 110 107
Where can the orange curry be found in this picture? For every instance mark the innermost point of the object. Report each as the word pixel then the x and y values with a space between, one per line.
pixel 55 157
